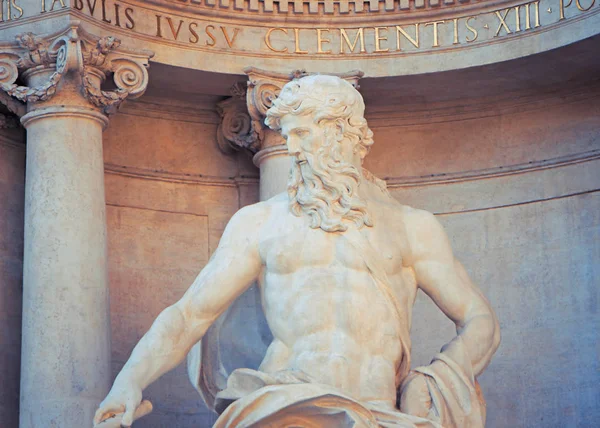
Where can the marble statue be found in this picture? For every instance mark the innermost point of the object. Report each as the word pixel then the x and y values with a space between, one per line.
pixel 338 262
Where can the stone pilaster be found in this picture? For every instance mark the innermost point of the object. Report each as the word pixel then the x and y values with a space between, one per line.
pixel 65 362
pixel 242 125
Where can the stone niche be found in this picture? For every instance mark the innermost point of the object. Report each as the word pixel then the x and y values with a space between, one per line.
pixel 484 113
pixel 506 156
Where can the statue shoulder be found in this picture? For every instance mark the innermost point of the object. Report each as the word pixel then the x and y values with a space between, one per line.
pixel 260 212
pixel 418 222
pixel 415 215
pixel 424 233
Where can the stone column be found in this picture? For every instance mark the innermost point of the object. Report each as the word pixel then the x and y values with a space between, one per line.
pixel 272 157
pixel 66 356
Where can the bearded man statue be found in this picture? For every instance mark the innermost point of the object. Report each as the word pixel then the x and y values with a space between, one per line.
pixel 338 262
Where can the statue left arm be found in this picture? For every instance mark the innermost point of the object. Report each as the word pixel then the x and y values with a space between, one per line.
pixel 445 281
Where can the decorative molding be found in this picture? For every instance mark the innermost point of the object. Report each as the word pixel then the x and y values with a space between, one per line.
pixel 318 7
pixel 66 112
pixel 273 151
pixel 483 174
pixel 72 51
pixel 173 177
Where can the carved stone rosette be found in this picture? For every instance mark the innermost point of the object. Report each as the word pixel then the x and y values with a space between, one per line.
pixel 242 116
pixel 72 51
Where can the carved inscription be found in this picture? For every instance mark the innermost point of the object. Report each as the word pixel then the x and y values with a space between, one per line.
pixel 387 39
pixel 414 36
pixel 9 10
pixel 115 13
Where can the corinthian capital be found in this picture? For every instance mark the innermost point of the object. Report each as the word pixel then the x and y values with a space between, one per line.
pixel 87 59
pixel 243 115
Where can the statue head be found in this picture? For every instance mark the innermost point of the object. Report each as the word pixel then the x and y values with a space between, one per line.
pixel 322 119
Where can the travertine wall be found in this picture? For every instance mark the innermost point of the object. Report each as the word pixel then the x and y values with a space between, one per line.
pixel 518 195
pixel 169 194
pixel 12 199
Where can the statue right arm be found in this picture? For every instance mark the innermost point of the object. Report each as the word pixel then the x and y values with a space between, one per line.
pixel 233 267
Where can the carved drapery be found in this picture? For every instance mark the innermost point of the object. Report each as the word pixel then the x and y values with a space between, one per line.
pixel 72 51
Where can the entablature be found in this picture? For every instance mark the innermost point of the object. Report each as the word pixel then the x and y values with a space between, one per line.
pixel 381 38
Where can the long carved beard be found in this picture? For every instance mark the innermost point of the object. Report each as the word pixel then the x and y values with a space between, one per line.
pixel 325 189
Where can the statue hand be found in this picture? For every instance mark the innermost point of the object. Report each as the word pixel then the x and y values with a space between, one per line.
pixel 124 398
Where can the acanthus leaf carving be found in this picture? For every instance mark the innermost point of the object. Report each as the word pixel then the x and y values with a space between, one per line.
pixel 96 56
pixel 37 51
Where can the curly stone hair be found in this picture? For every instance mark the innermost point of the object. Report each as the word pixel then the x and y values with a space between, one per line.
pixel 331 100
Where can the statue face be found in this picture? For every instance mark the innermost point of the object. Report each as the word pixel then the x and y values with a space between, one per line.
pixel 325 174
pixel 305 137
pixel 302 135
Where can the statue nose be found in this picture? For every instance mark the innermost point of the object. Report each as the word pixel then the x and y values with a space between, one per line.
pixel 293 147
